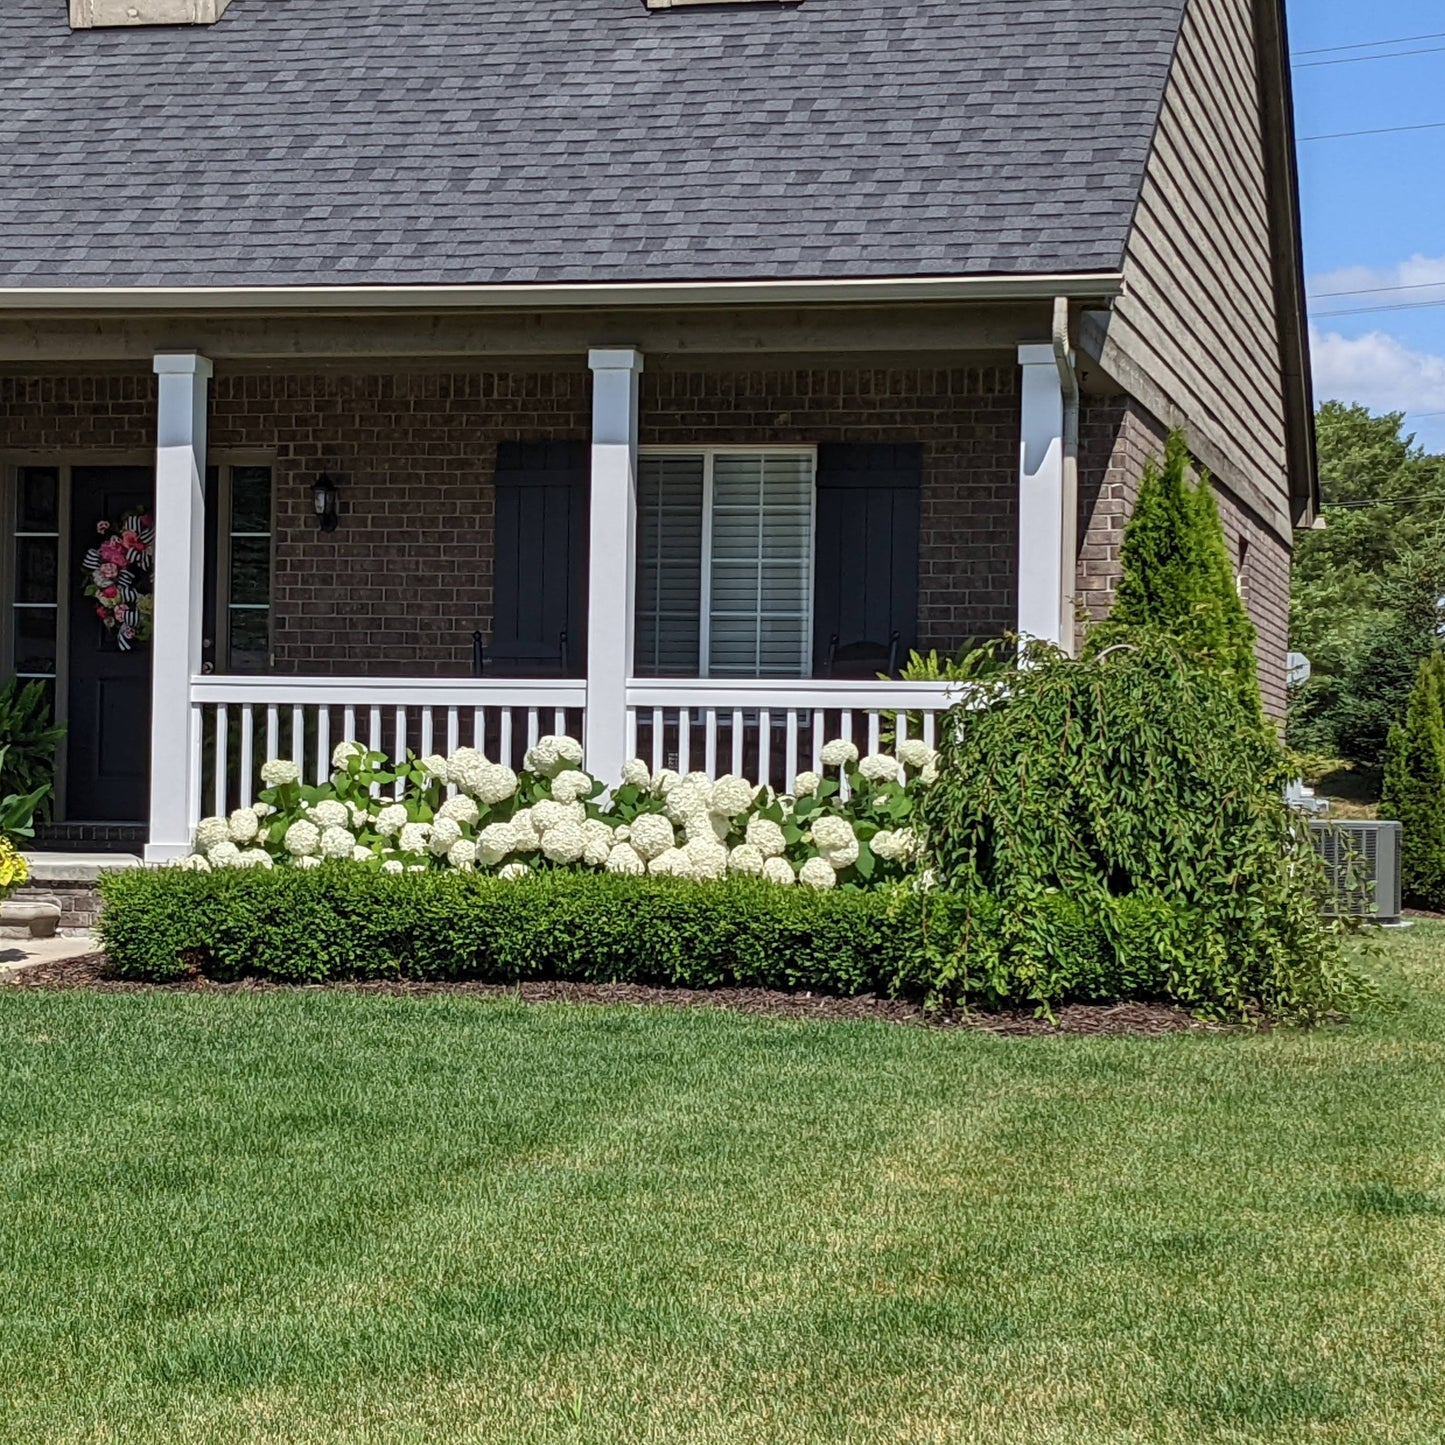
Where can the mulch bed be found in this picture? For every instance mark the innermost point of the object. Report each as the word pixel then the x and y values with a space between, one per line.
pixel 91 971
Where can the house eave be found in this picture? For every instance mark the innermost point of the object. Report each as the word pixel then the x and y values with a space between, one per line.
pixel 1078 286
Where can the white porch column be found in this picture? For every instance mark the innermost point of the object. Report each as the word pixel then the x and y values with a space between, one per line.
pixel 612 532
pixel 179 586
pixel 1042 583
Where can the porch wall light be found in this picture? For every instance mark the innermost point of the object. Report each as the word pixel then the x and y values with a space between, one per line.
pixel 323 499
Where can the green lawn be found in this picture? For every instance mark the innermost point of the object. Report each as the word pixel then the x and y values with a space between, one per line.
pixel 330 1217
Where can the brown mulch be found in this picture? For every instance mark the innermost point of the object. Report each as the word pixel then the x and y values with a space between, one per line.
pixel 91 971
pixel 1422 915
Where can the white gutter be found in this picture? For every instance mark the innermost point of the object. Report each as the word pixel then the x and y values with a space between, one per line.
pixel 1069 561
pixel 1083 286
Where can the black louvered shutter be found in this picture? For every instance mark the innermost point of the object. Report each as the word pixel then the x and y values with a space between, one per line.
pixel 866 547
pixel 540 588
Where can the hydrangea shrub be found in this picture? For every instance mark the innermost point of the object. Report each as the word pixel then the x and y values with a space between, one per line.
pixel 849 826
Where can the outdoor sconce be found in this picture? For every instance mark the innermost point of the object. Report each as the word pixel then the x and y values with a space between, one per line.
pixel 323 497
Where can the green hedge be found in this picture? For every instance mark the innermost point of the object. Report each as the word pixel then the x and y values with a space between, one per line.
pixel 340 921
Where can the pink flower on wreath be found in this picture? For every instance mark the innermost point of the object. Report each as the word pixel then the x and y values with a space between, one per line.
pixel 110 593
pixel 113 551
pixel 131 541
pixel 107 571
pixel 101 613
pixel 147 522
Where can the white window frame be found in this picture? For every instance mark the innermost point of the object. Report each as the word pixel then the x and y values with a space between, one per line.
pixel 225 464
pixel 709 453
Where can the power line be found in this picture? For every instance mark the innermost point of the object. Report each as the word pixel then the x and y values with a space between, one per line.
pixel 1357 59
pixel 1383 130
pixel 1372 44
pixel 1364 310
pixel 1375 290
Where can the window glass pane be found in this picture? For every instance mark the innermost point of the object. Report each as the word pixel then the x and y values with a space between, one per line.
pixel 669 566
pixel 251 570
pixel 251 499
pixel 37 560
pixel 39 507
pixel 250 640
pixel 35 639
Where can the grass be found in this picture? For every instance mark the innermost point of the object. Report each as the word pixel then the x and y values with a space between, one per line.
pixel 331 1217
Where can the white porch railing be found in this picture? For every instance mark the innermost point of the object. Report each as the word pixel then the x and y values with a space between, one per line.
pixel 769 729
pixel 240 722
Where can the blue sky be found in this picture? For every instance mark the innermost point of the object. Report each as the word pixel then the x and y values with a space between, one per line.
pixel 1374 206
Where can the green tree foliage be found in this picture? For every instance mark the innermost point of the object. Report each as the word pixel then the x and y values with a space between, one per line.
pixel 1141 775
pixel 1414 792
pixel 1176 574
pixel 1358 583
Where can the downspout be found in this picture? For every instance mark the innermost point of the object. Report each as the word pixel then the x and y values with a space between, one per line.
pixel 1069 558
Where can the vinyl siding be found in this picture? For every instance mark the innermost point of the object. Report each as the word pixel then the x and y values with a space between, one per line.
pixel 1196 335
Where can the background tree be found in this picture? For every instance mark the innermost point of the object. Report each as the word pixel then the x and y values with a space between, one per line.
pixel 1414 791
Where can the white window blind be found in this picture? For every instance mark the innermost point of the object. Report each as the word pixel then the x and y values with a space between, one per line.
pixel 725 563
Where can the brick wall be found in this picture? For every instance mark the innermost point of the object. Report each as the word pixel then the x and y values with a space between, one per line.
pixel 1116 439
pixel 403 583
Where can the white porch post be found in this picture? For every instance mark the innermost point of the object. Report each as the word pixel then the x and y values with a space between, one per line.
pixel 612 532
pixel 1042 584
pixel 179 586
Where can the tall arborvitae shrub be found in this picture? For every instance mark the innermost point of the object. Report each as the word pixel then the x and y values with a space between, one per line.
pixel 1414 792
pixel 1176 574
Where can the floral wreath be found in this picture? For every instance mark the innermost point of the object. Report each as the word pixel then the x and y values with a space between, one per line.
pixel 118 577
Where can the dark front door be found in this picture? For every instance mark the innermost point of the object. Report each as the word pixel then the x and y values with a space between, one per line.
pixel 108 739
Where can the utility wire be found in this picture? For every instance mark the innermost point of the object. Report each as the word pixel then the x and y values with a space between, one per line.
pixel 1372 44
pixel 1364 310
pixel 1375 290
pixel 1356 59
pixel 1383 130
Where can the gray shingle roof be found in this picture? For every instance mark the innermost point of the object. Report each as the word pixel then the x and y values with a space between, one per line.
pixel 503 141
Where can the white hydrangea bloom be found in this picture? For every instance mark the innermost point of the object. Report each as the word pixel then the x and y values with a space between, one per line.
pixel 262 810
pixel 621 833
pixel 337 842
pixel 435 767
pixel 708 857
pixel 513 871
pixel 597 851
pixel 895 846
pixel 210 831
pixel 303 839
pixel 916 753
pixel 930 771
pixel 493 783
pixel 343 753
pixel 806 784
pixel 692 794
pixel 393 865
pixel 391 819
pixel 548 813
pixel 674 863
pixel 526 836
pixel 243 825
pixel 706 825
pixel 461 809
pixel 766 836
pixel 193 863
pixel 664 782
pixel 413 838
pixel 731 795
pixel 565 842
pixel 571 784
pixel 550 754
pixel 879 768
pixel 224 854
pixel 462 854
pixel 280 771
pixel 651 836
pixel 357 816
pixel 362 854
pixel 778 870
pixel 596 828
pixel 830 832
pixel 747 860
pixel 635 774
pixel 254 858
pixel 624 858
pixel 310 861
pixel 494 842
pixel 330 814
pixel 817 873
pixel 444 832
pixel 463 765
pixel 838 753
pixel 844 857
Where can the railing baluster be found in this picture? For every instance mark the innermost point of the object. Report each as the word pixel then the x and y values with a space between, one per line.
pixel 737 740
pixel 222 760
pixel 709 746
pixel 559 721
pixel 534 727
pixel 193 763
pixel 273 734
pixel 454 731
pixel 400 757
pixel 765 748
pixel 348 722
pixel 426 732
pixel 657 740
pixel 373 725
pixel 248 751
pixel 630 737
pixel 298 739
pixel 507 737
pixel 817 742
pixel 790 763
pixel 323 745
pixel 684 740
pixel 872 729
pixel 900 729
pixel 929 719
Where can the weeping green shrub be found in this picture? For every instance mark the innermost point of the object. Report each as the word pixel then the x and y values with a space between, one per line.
pixel 1414 791
pixel 1129 808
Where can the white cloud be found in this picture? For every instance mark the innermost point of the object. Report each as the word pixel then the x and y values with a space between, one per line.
pixel 1378 371
pixel 1424 273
